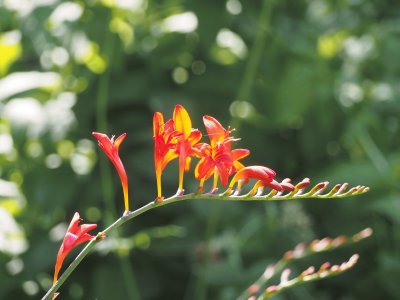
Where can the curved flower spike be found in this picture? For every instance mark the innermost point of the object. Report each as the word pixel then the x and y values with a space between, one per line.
pixel 186 146
pixel 76 235
pixel 110 148
pixel 165 139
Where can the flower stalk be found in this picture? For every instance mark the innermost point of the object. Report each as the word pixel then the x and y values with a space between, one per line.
pixel 127 216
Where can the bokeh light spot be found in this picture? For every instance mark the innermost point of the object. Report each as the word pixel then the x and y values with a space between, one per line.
pixel 53 161
pixel 234 7
pixel 180 75
pixel 30 287
pixel 198 67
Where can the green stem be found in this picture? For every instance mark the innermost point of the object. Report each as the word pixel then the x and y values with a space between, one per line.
pixel 126 217
pixel 224 196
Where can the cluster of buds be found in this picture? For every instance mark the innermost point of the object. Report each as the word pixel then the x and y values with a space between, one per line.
pixel 176 138
pixel 325 244
pixel 311 273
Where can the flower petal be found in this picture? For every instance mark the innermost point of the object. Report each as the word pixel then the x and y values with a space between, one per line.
pixel 194 137
pixel 119 140
pixel 74 224
pixel 171 155
pixel 105 142
pixel 158 122
pixel 215 131
pixel 182 121
pixel 223 173
pixel 84 228
pixel 84 238
pixel 287 186
pixel 273 185
pixel 238 154
pixel 253 172
pixel 204 168
pixel 69 241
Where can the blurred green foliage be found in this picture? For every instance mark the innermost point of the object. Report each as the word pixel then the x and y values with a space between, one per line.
pixel 311 86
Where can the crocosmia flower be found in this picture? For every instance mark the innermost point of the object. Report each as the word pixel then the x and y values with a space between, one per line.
pixel 218 158
pixel 186 146
pixel 165 139
pixel 76 234
pixel 110 148
pixel 262 173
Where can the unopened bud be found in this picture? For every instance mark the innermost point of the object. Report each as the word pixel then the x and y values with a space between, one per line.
pixel 309 271
pixel 325 266
pixel 254 288
pixel 340 240
pixel 100 236
pixel 367 232
pixel 272 289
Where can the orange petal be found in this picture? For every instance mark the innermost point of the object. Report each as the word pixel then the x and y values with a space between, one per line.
pixel 194 137
pixel 238 154
pixel 182 121
pixel 119 140
pixel 158 122
pixel 60 259
pixel 167 158
pixel 204 168
pixel 214 129
pixel 201 150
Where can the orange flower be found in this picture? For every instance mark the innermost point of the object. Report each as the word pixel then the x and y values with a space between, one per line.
pixel 110 148
pixel 218 158
pixel 165 139
pixel 186 146
pixel 76 235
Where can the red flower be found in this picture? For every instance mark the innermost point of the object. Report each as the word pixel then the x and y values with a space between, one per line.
pixel 186 146
pixel 76 235
pixel 165 139
pixel 264 175
pixel 218 158
pixel 110 148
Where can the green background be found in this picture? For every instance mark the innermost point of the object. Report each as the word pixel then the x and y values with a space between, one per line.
pixel 312 88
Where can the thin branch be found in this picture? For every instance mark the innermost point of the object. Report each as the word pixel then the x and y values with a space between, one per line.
pixel 309 275
pixel 298 193
pixel 299 252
